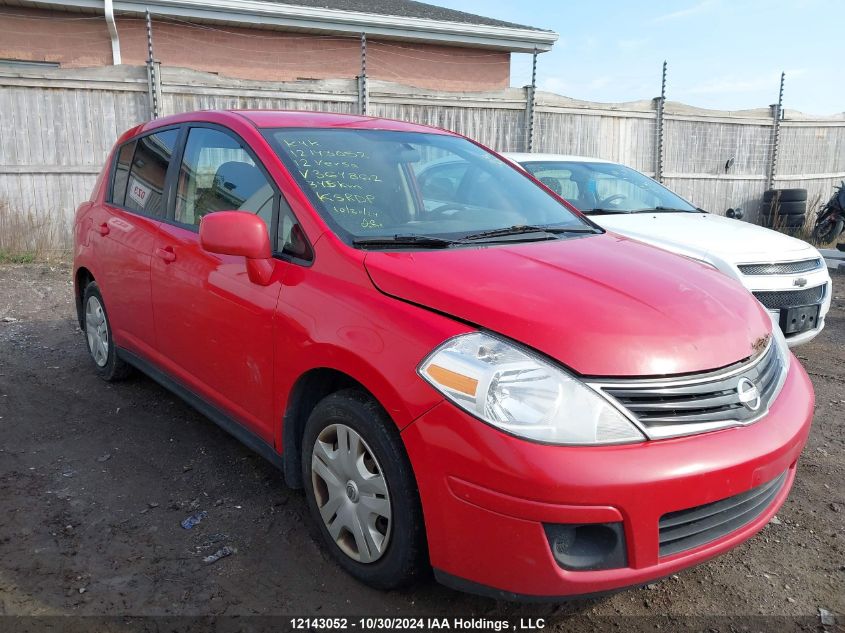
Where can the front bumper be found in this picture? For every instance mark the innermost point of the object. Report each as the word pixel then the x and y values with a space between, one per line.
pixel 486 495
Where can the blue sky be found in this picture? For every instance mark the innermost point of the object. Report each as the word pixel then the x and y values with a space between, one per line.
pixel 722 54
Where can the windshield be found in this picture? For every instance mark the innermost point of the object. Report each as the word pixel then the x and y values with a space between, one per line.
pixel 606 187
pixel 372 184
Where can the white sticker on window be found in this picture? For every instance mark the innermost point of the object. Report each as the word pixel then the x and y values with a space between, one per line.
pixel 138 192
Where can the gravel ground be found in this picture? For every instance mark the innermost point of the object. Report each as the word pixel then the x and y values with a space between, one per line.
pixel 95 479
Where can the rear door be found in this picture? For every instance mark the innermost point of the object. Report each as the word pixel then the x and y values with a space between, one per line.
pixel 125 229
pixel 214 327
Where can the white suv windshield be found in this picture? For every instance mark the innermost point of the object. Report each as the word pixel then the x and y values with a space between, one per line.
pixel 377 183
pixel 606 187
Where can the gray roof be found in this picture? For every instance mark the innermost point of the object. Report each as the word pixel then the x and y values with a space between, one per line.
pixel 407 8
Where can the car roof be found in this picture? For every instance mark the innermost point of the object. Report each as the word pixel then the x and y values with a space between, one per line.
pixel 522 157
pixel 295 118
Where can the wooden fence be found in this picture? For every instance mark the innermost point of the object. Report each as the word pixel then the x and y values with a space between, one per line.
pixel 57 125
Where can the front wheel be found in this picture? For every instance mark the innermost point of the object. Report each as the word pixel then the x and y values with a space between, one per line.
pixel 361 491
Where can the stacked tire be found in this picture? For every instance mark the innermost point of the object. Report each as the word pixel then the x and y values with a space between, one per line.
pixel 784 209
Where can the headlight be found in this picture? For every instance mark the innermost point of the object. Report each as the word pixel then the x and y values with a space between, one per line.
pixel 522 394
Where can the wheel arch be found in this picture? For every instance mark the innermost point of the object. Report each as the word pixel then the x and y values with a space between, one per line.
pixel 81 278
pixel 311 387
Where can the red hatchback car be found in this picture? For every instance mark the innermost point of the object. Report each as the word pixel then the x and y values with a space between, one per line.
pixel 463 372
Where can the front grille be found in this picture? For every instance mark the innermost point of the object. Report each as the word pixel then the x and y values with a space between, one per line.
pixel 685 529
pixel 776 299
pixel 782 268
pixel 670 407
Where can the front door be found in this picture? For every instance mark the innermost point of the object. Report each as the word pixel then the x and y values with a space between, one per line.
pixel 214 327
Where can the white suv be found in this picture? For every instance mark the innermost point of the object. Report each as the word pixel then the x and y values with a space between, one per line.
pixel 787 275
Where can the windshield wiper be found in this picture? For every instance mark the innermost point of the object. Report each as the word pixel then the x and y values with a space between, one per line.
pixel 547 232
pixel 421 241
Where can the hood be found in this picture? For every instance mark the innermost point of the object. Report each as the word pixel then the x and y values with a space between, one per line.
pixel 705 234
pixel 602 305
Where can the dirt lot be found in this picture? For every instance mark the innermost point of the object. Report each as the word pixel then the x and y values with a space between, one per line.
pixel 95 479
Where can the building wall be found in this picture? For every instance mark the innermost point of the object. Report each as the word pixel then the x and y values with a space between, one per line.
pixel 77 40
pixel 48 36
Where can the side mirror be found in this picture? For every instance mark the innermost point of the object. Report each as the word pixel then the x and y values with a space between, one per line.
pixel 240 234
pixel 736 214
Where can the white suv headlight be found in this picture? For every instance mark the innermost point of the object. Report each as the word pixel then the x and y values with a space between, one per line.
pixel 522 394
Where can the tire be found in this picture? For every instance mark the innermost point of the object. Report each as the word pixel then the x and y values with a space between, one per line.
pixel 828 232
pixel 381 453
pixel 785 195
pixel 792 221
pixel 789 208
pixel 98 339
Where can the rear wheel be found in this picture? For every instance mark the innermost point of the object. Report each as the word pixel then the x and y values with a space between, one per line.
pixel 98 336
pixel 361 491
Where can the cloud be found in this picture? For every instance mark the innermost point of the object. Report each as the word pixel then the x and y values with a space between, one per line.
pixel 701 7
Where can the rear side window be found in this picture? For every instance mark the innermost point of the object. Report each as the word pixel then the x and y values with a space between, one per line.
pixel 121 173
pixel 145 189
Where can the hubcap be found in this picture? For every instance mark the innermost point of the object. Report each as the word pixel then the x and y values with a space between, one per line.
pixel 97 331
pixel 351 493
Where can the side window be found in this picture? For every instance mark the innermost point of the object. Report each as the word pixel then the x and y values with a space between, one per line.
pixel 121 173
pixel 145 190
pixel 218 174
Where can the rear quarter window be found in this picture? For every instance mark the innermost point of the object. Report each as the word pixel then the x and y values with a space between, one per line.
pixel 121 173
pixel 145 188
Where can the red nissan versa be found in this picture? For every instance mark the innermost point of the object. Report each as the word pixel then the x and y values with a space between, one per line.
pixel 480 380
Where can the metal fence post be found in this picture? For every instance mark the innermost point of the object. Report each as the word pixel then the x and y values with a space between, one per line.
pixel 363 93
pixel 777 113
pixel 530 104
pixel 658 130
pixel 153 72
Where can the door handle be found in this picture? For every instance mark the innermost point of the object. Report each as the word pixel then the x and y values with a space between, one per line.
pixel 166 254
pixel 103 229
